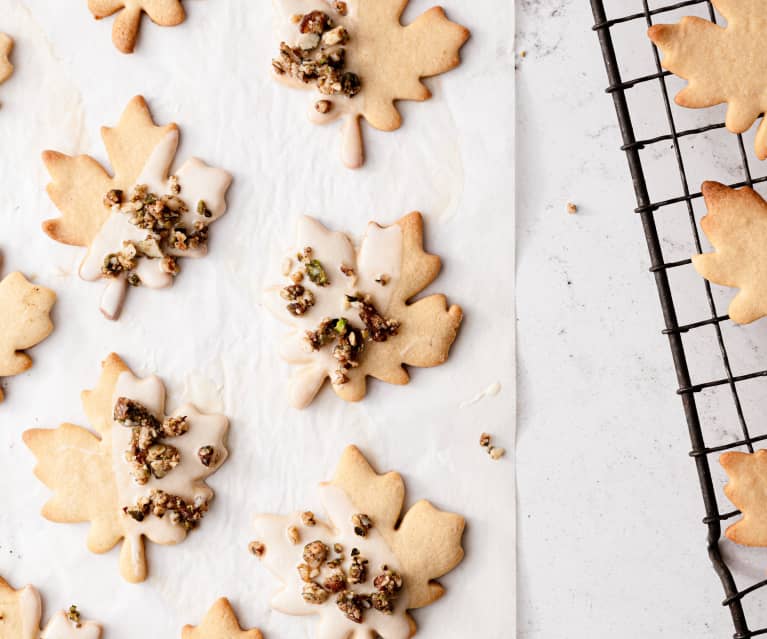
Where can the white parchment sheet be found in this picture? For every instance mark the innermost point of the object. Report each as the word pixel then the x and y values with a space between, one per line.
pixel 211 339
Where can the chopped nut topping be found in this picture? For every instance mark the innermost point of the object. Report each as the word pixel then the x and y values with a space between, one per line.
pixel 202 209
pixel 340 7
pixel 379 329
pixel 169 265
pixel 484 440
pixel 307 573
pixel 206 455
pixel 159 503
pixel 323 106
pixel 301 299
pixel 257 548
pixel 347 270
pixel 353 605
pixel 315 553
pixel 315 22
pixel 388 582
pixel 161 459
pixel 496 452
pixel 73 614
pixel 358 571
pixel 338 548
pixel 314 593
pixel 173 186
pixel 307 518
pixel 349 344
pixel 113 198
pixel 383 279
pixel 362 523
pixel 294 535
pixel 335 582
pixel 572 208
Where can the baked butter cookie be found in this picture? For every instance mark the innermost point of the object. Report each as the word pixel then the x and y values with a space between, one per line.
pixel 138 223
pixel 747 475
pixel 24 321
pixel 21 612
pixel 736 226
pixel 359 59
pixel 350 311
pixel 365 568
pixel 140 475
pixel 167 13
pixel 721 63
pixel 220 623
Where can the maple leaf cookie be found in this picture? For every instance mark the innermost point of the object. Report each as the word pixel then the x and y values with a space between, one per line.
pixel 349 308
pixel 360 59
pixel 24 321
pixel 167 13
pixel 220 623
pixel 6 46
pixel 366 567
pixel 21 612
pixel 721 64
pixel 140 475
pixel 747 485
pixel 736 225
pixel 140 222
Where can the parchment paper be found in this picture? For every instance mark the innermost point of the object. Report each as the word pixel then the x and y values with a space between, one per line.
pixel 210 338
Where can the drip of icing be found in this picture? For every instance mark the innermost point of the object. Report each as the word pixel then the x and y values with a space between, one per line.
pixel 490 391
pixel 197 181
pixel 59 627
pixel 282 558
pixel 184 480
pixel 380 253
pixel 352 152
pixel 30 611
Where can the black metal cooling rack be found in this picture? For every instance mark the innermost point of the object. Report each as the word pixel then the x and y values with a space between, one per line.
pixel 703 454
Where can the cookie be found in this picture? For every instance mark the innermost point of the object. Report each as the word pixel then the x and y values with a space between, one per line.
pixel 220 623
pixel 24 321
pixel 140 222
pixel 736 226
pixel 6 46
pixel 140 475
pixel 747 475
pixel 360 59
pixel 350 310
pixel 167 13
pixel 366 567
pixel 721 64
pixel 21 612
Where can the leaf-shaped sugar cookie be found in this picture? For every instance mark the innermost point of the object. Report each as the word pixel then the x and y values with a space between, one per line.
pixel 362 59
pixel 350 309
pixel 721 63
pixel 140 222
pixel 747 488
pixel 21 612
pixel 736 225
pixel 141 474
pixel 220 623
pixel 369 564
pixel 24 321
pixel 167 13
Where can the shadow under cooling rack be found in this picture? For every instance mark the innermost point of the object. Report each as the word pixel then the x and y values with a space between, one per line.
pixel 666 144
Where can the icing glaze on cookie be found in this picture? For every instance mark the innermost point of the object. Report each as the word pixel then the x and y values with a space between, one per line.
pixel 185 480
pixel 30 611
pixel 282 557
pixel 198 182
pixel 59 627
pixel 379 254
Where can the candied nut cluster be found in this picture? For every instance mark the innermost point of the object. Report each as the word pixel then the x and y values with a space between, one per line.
pixel 319 56
pixel 159 503
pixel 162 218
pixel 323 577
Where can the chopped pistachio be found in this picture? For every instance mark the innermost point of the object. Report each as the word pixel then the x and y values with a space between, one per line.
pixel 202 209
pixel 113 198
pixel 316 273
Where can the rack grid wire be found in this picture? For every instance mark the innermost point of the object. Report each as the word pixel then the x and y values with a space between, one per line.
pixel 735 594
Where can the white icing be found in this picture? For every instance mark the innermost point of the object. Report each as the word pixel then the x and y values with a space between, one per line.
pixel 490 391
pixel 352 152
pixel 185 480
pixel 197 181
pixel 60 627
pixel 30 611
pixel 380 253
pixel 282 559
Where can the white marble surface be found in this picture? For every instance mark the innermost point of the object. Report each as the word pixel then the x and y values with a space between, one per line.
pixel 610 533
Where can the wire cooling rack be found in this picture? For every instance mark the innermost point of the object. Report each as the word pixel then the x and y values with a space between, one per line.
pixel 680 139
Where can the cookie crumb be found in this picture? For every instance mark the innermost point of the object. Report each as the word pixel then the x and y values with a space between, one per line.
pixel 572 208
pixel 257 548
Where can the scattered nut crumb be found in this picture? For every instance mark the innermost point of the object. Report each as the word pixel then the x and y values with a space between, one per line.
pixel 323 106
pixel 523 53
pixel 257 548
pixel 484 440
pixel 572 208
pixel 296 18
pixel 496 452
pixel 308 518
pixel 294 535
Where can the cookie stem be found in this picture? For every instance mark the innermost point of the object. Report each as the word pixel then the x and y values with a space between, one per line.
pixel 352 146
